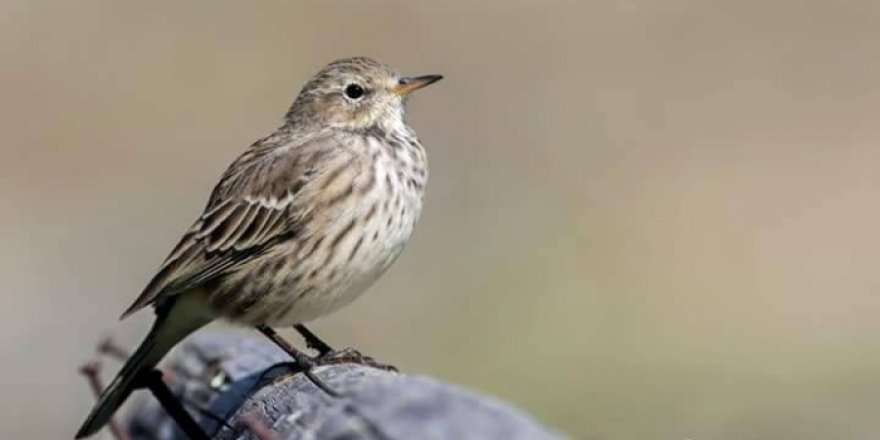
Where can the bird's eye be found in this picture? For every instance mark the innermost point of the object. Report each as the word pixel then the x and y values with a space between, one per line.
pixel 354 91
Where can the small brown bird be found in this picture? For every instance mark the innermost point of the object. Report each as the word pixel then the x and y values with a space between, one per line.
pixel 300 224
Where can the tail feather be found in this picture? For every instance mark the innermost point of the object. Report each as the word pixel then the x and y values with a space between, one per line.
pixel 120 388
pixel 172 325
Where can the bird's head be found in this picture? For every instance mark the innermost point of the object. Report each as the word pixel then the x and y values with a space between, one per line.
pixel 355 93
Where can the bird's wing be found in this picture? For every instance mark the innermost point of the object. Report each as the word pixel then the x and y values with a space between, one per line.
pixel 261 199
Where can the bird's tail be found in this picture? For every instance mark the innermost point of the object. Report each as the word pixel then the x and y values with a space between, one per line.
pixel 174 322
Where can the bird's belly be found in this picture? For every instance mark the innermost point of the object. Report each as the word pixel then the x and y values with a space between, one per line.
pixel 316 280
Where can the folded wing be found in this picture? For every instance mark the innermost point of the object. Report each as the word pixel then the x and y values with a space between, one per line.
pixel 261 200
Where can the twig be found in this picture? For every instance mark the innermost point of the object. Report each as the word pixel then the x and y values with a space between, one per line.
pixel 108 346
pixel 255 424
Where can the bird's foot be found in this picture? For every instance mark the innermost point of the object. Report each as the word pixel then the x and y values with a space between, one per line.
pixel 352 356
pixel 306 364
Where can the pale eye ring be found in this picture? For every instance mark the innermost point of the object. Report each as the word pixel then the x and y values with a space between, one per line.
pixel 354 91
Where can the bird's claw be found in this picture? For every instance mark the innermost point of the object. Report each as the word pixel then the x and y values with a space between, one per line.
pixel 352 356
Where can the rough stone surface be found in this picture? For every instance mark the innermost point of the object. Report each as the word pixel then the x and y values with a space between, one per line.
pixel 226 378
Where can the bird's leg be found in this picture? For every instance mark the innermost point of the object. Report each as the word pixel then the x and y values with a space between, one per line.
pixel 303 361
pixel 328 356
pixel 313 341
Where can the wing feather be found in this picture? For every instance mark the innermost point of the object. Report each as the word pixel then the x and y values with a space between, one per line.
pixel 260 201
pixel 259 229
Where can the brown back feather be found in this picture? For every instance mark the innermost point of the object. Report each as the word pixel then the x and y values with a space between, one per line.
pixel 261 199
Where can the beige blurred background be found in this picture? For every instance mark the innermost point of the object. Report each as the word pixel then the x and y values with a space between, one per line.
pixel 647 219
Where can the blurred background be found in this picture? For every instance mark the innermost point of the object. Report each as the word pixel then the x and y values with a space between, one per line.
pixel 646 219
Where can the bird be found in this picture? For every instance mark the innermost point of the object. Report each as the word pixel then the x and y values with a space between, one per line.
pixel 299 225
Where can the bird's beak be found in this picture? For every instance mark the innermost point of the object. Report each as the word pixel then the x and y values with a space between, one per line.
pixel 407 85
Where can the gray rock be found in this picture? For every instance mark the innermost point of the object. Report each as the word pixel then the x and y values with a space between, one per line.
pixel 240 387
